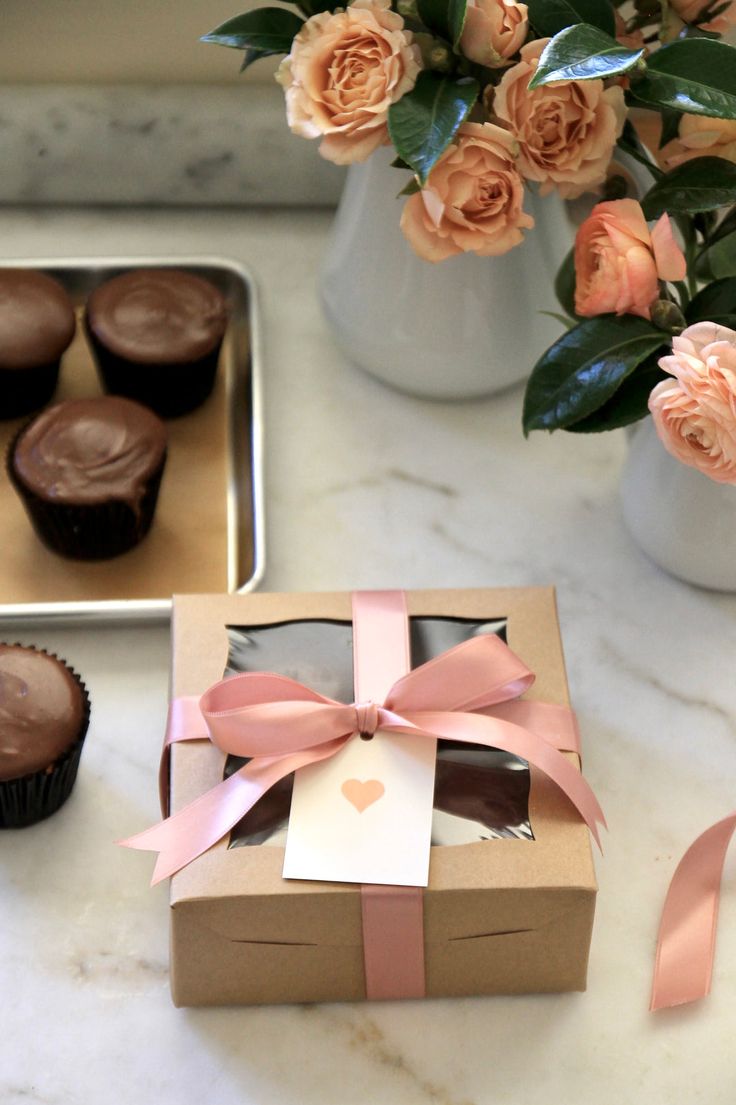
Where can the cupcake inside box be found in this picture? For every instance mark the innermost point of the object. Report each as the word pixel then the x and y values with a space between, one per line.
pixel 202 536
pixel 480 793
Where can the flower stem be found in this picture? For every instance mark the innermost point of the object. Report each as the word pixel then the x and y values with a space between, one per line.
pixel 683 293
pixel 689 238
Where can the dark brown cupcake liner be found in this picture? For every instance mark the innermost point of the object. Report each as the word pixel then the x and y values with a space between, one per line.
pixel 94 531
pixel 170 390
pixel 23 390
pixel 34 797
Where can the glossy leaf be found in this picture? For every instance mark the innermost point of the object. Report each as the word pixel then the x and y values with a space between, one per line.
pixel 411 188
pixel 629 404
pixel 703 184
pixel 550 16
pixel 444 17
pixel 670 126
pixel 717 258
pixel 564 320
pixel 720 259
pixel 696 75
pixel 262 32
pixel 724 228
pixel 583 53
pixel 312 7
pixel 424 121
pixel 714 303
pixel 565 284
pixel 585 368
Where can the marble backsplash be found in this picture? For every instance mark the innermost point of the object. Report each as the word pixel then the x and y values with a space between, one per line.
pixel 208 145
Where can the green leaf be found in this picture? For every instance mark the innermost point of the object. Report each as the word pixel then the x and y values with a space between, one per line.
pixel 584 369
pixel 583 53
pixel 628 404
pixel 550 16
pixel 411 188
pixel 722 320
pixel 719 260
pixel 703 184
pixel 696 75
pixel 444 17
pixel 725 227
pixel 564 320
pixel 717 257
pixel 565 284
pixel 714 303
pixel 262 32
pixel 312 7
pixel 422 123
pixel 670 126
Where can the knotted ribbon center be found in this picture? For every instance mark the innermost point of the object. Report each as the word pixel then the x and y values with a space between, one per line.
pixel 367 719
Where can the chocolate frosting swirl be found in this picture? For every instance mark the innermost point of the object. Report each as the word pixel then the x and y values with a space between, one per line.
pixel 87 451
pixel 37 320
pixel 157 316
pixel 41 710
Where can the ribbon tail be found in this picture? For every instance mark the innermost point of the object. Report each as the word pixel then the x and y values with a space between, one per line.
pixel 687 931
pixel 191 831
pixel 499 733
pixel 557 725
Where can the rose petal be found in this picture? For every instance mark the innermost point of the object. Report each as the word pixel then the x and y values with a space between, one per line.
pixel 668 257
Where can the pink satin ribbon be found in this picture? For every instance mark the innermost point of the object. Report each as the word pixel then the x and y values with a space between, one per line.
pixel 687 931
pixel 392 916
pixel 281 726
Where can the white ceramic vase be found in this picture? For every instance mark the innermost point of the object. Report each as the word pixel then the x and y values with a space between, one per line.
pixel 468 326
pixel 681 519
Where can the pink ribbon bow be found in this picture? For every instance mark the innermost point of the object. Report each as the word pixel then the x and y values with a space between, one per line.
pixel 687 931
pixel 281 725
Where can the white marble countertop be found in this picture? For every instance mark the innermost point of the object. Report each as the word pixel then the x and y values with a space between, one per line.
pixel 367 488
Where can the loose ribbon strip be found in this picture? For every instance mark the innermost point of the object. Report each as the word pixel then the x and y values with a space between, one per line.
pixel 281 725
pixel 687 930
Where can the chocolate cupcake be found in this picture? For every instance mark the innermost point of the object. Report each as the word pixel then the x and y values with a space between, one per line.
pixel 37 324
pixel 156 335
pixel 88 473
pixel 44 715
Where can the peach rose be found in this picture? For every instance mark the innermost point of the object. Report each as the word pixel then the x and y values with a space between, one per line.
pixel 632 40
pixel 695 413
pixel 689 10
pixel 472 202
pixel 493 31
pixel 701 136
pixel 344 71
pixel 566 131
pixel 619 263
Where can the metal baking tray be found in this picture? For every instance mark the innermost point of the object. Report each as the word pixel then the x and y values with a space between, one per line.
pixel 218 450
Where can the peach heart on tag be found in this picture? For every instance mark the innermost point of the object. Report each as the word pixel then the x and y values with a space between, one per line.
pixel 362 794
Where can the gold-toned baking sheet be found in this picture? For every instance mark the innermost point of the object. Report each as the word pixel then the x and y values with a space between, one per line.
pixel 207 532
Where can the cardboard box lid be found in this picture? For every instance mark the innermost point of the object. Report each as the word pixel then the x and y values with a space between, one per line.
pixel 558 860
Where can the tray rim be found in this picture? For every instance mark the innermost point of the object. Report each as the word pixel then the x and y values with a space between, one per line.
pixel 159 610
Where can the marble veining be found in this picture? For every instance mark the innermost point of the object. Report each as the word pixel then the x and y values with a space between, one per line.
pixel 369 488
pixel 157 144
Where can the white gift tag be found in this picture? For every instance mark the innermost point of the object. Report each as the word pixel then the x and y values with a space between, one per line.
pixel 364 815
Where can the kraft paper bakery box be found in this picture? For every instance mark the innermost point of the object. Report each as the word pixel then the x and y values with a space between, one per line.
pixel 505 910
